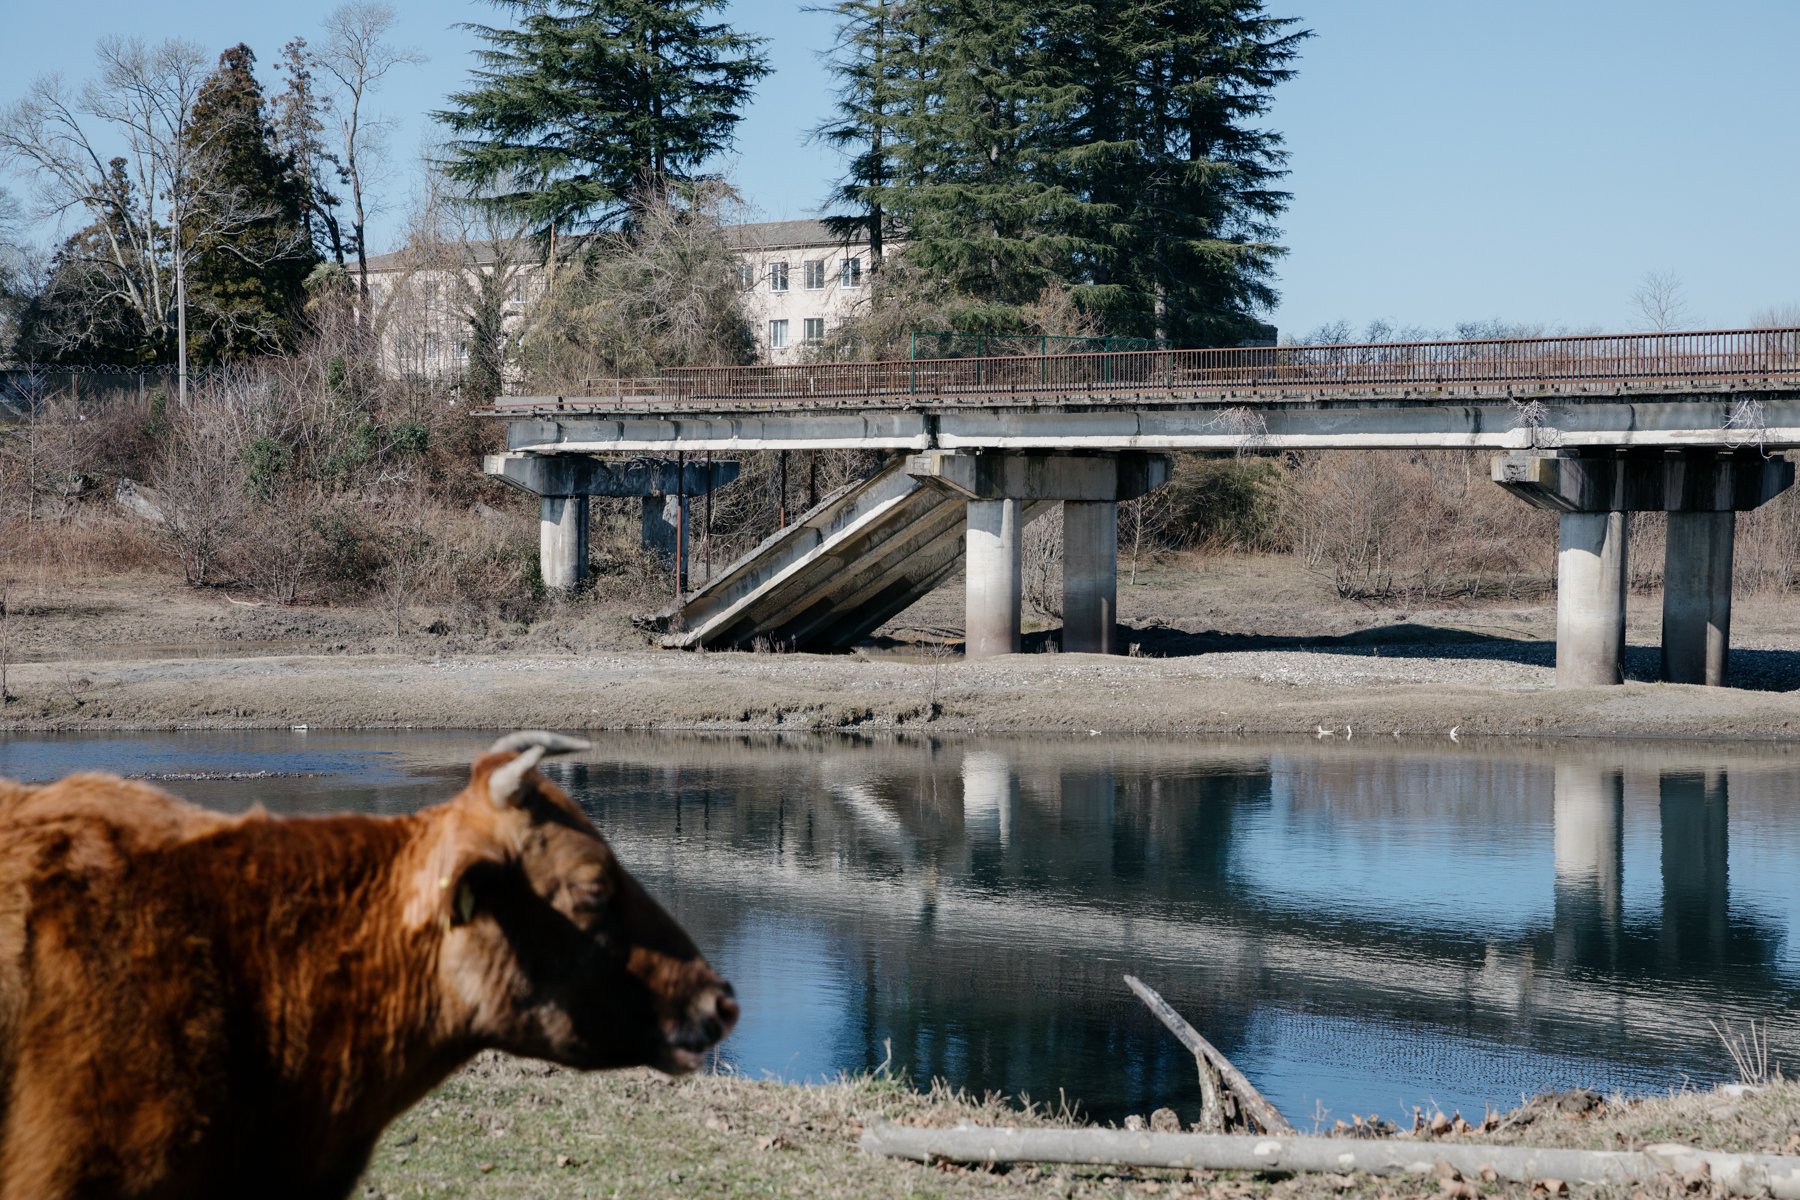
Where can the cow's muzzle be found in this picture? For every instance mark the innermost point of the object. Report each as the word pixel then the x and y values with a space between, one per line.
pixel 709 1017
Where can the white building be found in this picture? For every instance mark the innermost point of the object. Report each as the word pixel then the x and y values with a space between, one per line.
pixel 799 282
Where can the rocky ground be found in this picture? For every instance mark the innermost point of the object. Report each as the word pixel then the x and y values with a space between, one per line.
pixel 1219 646
pixel 507 1128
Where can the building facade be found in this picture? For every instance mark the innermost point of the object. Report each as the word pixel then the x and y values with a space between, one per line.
pixel 799 283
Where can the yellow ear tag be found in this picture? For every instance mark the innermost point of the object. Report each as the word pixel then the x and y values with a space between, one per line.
pixel 465 903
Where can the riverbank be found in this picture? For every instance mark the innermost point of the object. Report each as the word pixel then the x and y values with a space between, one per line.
pixel 509 1128
pixel 1242 649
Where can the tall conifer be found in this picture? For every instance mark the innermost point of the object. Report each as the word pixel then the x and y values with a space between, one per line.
pixel 248 251
pixel 586 103
pixel 1115 146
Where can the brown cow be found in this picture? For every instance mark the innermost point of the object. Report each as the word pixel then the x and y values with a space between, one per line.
pixel 199 1005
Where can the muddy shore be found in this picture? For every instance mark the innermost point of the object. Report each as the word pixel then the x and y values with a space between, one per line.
pixel 1239 649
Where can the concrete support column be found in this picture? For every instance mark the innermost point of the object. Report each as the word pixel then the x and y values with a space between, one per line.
pixel 668 533
pixel 1590 599
pixel 563 541
pixel 1090 575
pixel 1696 629
pixel 995 577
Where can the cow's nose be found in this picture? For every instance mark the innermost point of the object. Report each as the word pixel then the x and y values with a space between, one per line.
pixel 715 1011
pixel 726 1007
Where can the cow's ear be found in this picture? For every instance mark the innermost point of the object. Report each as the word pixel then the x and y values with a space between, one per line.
pixel 467 890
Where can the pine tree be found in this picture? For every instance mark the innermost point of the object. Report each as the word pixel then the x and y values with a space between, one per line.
pixel 589 106
pixel 247 252
pixel 1176 159
pixel 300 137
pixel 979 109
pixel 863 60
pixel 1111 146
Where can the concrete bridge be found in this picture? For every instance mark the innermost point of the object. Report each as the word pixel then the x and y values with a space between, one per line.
pixel 1593 427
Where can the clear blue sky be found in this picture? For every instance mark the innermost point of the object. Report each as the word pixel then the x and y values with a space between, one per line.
pixel 1528 160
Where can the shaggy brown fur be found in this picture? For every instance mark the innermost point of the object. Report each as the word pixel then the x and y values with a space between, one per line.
pixel 198 1005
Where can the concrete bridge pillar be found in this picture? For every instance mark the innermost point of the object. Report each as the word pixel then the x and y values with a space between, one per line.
pixel 997 487
pixel 564 483
pixel 1090 576
pixel 668 533
pixel 1702 491
pixel 563 541
pixel 1696 624
pixel 995 577
pixel 1590 599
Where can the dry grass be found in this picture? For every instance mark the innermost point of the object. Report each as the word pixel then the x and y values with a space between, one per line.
pixel 507 1128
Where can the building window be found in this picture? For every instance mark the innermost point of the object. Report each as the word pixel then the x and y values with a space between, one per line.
pixel 815 274
pixel 813 329
pixel 778 277
pixel 746 276
pixel 850 275
pixel 778 335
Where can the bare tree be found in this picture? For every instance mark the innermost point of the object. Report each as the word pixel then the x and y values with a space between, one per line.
pixel 1661 302
pixel 201 480
pixel 358 56
pixel 663 293
pixel 147 206
pixel 1776 316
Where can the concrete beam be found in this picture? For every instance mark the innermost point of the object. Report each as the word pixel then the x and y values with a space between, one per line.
pixel 1691 481
pixel 1089 478
pixel 1582 419
pixel 1696 625
pixel 581 475
pixel 1590 599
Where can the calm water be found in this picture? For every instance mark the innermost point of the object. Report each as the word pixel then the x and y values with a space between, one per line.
pixel 1359 927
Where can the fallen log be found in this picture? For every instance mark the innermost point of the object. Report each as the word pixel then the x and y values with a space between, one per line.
pixel 1249 1100
pixel 1776 1175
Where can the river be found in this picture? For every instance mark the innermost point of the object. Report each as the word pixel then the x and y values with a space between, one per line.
pixel 1362 926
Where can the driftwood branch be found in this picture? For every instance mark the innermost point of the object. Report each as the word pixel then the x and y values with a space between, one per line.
pixel 1776 1175
pixel 1249 1100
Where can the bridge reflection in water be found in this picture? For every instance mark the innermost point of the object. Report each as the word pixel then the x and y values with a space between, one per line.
pixel 1358 927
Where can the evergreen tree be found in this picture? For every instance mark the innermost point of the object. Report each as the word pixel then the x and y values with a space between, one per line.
pixel 1111 146
pixel 864 61
pixel 88 311
pixel 247 251
pixel 1173 91
pixel 979 151
pixel 300 137
pixel 594 104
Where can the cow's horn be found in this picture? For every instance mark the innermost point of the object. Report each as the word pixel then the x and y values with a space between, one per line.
pixel 505 782
pixel 550 743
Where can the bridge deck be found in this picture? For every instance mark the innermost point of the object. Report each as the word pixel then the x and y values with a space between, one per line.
pixel 1571 367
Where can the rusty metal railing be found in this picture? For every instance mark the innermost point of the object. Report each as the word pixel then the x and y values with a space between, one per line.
pixel 1736 357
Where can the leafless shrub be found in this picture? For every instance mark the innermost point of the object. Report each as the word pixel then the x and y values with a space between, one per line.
pixel 202 481
pixel 6 696
pixel 1749 1052
pixel 281 549
pixel 663 294
pixel 1418 526
pixel 1042 554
